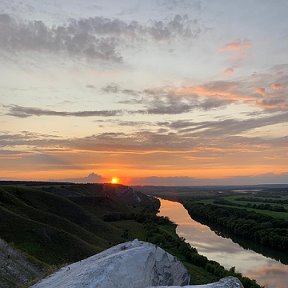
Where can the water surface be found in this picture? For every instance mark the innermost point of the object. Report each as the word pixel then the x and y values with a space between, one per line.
pixel 265 270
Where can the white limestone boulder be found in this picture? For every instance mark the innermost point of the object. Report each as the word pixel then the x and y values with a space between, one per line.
pixel 227 282
pixel 134 264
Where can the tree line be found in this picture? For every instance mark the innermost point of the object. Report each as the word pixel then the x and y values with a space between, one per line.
pixel 260 228
pixel 261 206
pixel 261 199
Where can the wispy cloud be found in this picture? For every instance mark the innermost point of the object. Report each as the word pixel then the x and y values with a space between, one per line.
pixel 261 91
pixel 274 102
pixel 229 71
pixel 227 127
pixel 172 100
pixel 276 86
pixel 266 91
pixel 23 112
pixel 231 91
pixel 179 135
pixel 236 46
pixel 236 51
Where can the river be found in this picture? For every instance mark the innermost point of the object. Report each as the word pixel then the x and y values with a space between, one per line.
pixel 267 271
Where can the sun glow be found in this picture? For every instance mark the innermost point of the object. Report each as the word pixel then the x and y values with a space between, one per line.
pixel 115 180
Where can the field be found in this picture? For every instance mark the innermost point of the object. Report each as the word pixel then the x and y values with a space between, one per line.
pixel 275 206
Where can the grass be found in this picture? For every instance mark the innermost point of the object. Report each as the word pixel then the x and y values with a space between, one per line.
pixel 274 214
pixel 52 228
pixel 198 275
pixel 44 242
pixel 134 229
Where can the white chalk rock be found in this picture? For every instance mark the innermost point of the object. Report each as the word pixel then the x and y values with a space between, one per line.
pixel 134 264
pixel 227 282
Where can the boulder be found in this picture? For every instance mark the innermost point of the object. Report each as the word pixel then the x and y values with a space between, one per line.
pixel 227 282
pixel 133 264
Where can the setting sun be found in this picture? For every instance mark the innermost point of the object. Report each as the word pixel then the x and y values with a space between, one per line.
pixel 115 180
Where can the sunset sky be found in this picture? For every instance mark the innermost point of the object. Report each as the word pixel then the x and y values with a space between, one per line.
pixel 172 92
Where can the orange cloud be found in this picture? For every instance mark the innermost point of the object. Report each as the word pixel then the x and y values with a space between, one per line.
pixel 236 46
pixel 261 91
pixel 278 104
pixel 276 86
pixel 222 91
pixel 228 71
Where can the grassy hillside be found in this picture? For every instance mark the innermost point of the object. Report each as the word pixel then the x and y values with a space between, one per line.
pixel 57 224
pixel 58 229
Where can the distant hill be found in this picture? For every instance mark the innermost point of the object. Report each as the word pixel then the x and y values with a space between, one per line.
pixel 175 192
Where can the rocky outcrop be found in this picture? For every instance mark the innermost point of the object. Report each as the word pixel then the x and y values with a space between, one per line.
pixel 227 282
pixel 134 264
pixel 16 268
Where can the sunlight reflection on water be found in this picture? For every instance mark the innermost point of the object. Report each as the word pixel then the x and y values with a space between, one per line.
pixel 266 271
